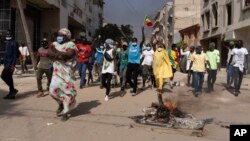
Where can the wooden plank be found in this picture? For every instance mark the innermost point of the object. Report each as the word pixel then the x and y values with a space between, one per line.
pixel 198 133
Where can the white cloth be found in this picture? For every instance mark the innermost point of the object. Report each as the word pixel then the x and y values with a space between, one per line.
pixel 148 57
pixel 24 51
pixel 108 67
pixel 239 57
pixel 187 54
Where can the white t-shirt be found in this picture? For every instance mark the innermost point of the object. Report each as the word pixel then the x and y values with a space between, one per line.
pixel 24 51
pixel 108 67
pixel 148 57
pixel 239 56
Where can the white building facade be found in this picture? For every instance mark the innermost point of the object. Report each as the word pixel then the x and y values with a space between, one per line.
pixel 186 14
pixel 164 25
pixel 45 17
pixel 225 17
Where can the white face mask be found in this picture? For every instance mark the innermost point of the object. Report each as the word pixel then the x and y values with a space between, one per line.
pixel 8 38
pixel 134 43
pixel 101 47
pixel 159 49
pixel 148 48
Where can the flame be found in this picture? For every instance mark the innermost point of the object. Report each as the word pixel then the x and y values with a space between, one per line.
pixel 169 105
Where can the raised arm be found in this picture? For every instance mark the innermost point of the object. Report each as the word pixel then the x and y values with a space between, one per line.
pixel 143 36
pixel 96 41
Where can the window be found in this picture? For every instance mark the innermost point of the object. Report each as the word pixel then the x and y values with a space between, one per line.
pixel 64 3
pixel 247 3
pixel 5 15
pixel 207 15
pixel 229 14
pixel 206 2
pixel 215 14
pixel 203 22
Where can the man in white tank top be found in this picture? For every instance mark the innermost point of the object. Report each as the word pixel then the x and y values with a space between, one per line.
pixel 108 68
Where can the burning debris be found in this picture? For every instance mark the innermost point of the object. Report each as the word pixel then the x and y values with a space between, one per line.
pixel 168 115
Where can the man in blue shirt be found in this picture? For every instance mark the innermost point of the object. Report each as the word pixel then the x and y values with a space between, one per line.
pixel 9 61
pixel 98 61
pixel 133 67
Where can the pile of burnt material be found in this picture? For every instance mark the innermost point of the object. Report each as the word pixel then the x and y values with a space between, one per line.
pixel 168 115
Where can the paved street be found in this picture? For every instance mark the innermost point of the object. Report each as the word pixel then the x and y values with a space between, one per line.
pixel 33 119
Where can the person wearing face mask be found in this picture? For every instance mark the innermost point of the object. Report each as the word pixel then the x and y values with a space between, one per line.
pixel 240 57
pixel 188 55
pixel 24 54
pixel 147 61
pixel 63 52
pixel 162 69
pixel 199 61
pixel 174 59
pixel 123 59
pixel 229 68
pixel 98 61
pixel 44 66
pixel 109 66
pixel 133 67
pixel 213 56
pixel 84 50
pixel 10 56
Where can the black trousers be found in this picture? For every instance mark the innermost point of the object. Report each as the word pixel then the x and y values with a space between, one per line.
pixel 133 71
pixel 7 78
pixel 24 65
pixel 106 81
pixel 211 78
pixel 39 77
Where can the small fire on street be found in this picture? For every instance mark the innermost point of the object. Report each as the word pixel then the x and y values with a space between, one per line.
pixel 170 117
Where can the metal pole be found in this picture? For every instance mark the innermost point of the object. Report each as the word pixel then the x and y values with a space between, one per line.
pixel 27 35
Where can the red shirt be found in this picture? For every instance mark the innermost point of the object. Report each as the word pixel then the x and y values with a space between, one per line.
pixel 83 52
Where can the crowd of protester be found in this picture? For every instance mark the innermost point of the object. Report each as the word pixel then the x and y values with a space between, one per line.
pixel 127 59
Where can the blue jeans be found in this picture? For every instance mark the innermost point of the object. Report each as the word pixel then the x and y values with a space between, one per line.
pixel 211 78
pixel 230 75
pixel 82 67
pixel 238 76
pixel 198 81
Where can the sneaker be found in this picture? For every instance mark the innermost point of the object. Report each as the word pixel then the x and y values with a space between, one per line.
pixel 106 98
pixel 236 93
pixel 133 94
pixel 11 95
pixel 122 89
pixel 40 94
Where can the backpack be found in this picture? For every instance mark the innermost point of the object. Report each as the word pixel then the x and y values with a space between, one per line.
pixel 107 56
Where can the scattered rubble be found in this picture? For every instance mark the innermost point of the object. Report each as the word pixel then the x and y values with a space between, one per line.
pixel 169 116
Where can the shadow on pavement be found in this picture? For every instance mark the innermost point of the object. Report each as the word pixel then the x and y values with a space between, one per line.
pixel 7 106
pixel 117 94
pixel 85 108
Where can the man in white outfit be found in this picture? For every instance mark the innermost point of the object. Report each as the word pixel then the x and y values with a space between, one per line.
pixel 109 66
pixel 23 49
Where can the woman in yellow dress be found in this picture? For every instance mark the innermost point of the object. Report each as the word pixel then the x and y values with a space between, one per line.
pixel 162 69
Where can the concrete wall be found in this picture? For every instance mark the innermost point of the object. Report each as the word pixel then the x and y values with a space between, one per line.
pixel 187 13
pixel 240 17
pixel 49 22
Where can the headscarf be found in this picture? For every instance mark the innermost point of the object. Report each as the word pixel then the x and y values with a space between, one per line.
pixel 65 32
